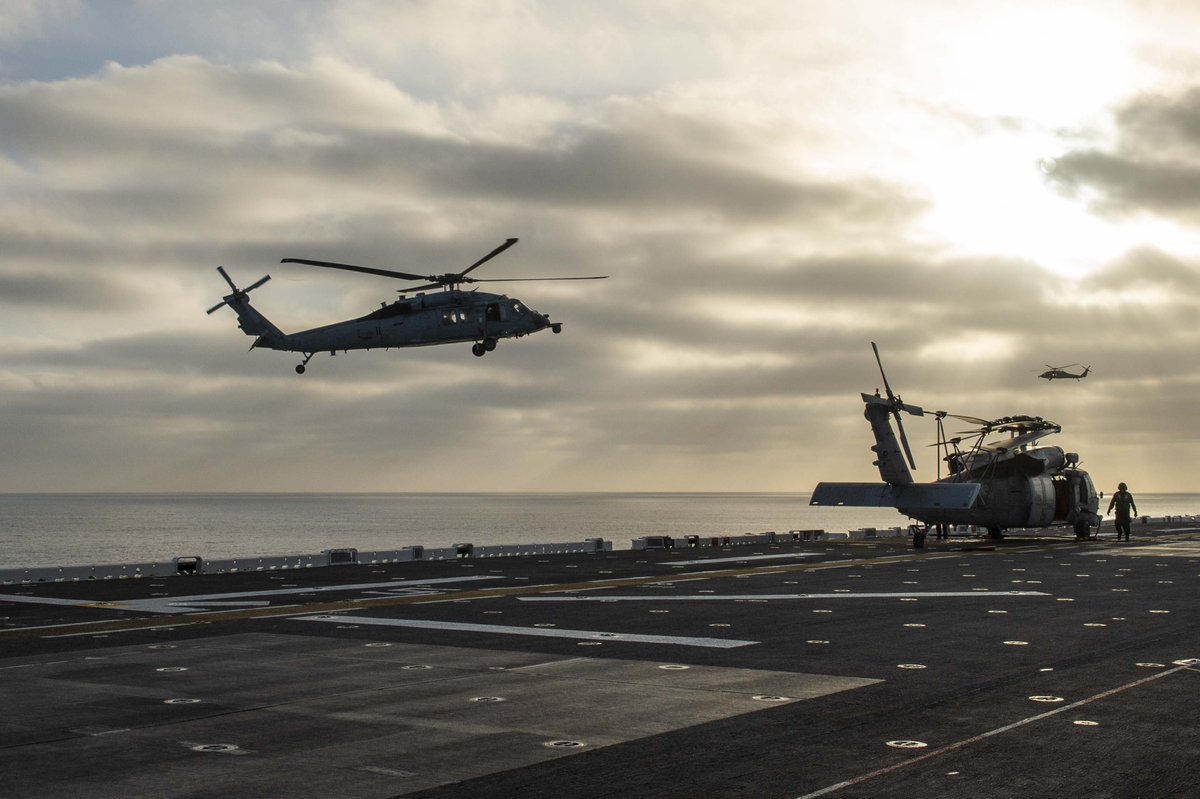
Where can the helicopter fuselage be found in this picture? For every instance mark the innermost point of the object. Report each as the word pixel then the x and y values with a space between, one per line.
pixel 1035 488
pixel 999 485
pixel 419 321
pixel 1058 373
pixel 416 319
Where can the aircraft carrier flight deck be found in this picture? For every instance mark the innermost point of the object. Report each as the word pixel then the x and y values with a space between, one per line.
pixel 1032 666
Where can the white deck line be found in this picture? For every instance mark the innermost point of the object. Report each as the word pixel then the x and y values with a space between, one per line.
pixel 728 597
pixel 544 632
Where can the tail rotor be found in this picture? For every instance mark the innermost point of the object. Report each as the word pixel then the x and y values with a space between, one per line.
pixel 898 405
pixel 237 293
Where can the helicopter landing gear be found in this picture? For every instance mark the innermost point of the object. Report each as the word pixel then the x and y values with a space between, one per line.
pixel 995 533
pixel 307 358
pixel 481 348
pixel 918 535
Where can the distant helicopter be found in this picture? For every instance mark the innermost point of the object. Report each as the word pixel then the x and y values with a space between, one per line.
pixel 447 317
pixel 1001 484
pixel 1060 373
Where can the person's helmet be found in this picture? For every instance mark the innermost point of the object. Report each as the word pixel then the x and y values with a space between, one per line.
pixel 1122 487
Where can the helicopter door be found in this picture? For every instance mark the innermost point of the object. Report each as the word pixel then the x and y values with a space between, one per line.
pixel 1062 499
pixel 492 312
pixel 1043 501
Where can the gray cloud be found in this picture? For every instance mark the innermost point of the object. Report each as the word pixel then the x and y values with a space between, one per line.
pixel 750 270
pixel 73 291
pixel 1154 167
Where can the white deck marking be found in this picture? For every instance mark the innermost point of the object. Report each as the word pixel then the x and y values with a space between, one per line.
pixel 49 600
pixel 1176 549
pixel 544 632
pixel 728 597
pixel 197 602
pixel 110 631
pixel 703 561
pixel 990 733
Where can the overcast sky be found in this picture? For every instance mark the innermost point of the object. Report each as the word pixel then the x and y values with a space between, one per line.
pixel 983 188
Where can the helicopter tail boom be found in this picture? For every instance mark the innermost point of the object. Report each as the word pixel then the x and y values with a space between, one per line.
pixel 889 456
pixel 250 320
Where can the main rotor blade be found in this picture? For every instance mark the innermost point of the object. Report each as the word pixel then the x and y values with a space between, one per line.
pixel 426 287
pixel 215 307
pixel 525 279
pixel 507 243
pixel 352 268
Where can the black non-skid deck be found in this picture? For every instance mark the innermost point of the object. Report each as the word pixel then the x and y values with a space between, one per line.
pixel 1028 667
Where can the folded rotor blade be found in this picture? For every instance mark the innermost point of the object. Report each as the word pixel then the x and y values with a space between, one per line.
pixel 971 419
pixel 352 268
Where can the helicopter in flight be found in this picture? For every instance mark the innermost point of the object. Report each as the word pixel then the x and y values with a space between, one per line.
pixel 1061 373
pixel 996 484
pixel 447 317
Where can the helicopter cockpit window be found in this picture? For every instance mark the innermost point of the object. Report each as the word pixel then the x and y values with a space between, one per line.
pixel 518 308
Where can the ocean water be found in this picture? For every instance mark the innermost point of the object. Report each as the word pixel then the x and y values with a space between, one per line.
pixel 77 529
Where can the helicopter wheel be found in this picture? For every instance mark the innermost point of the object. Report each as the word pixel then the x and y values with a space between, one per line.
pixel 995 533
pixel 489 344
pixel 299 368
pixel 478 350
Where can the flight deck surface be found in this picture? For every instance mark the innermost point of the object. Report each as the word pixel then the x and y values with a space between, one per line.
pixel 1028 667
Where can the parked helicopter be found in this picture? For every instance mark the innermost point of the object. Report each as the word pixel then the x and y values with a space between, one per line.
pixel 1060 373
pixel 421 320
pixel 999 484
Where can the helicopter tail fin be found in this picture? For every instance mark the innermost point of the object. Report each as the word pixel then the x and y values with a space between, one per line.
pixel 890 457
pixel 250 320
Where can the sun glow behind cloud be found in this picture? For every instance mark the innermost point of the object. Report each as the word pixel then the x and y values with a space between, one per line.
pixel 652 357
pixel 990 196
pixel 1020 78
pixel 969 347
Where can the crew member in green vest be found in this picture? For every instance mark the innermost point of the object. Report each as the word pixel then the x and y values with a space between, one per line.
pixel 1123 502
